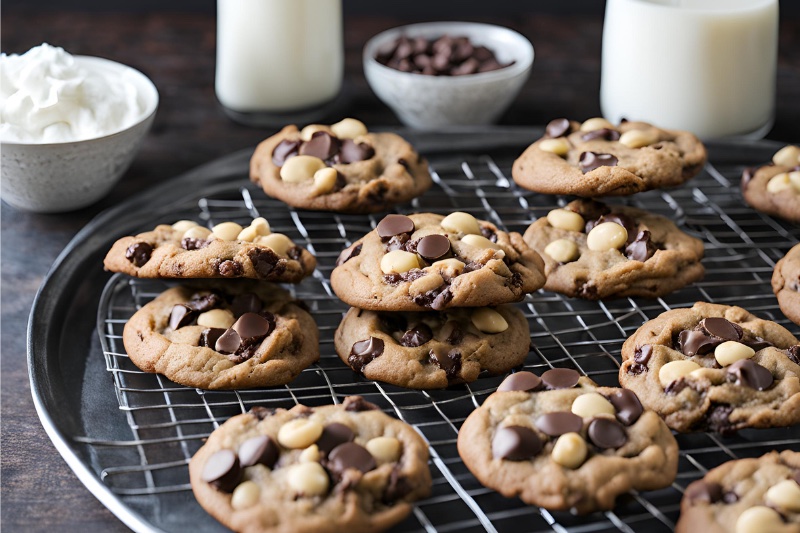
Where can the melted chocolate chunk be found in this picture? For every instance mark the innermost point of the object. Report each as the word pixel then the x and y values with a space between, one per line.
pixel 416 336
pixel 284 151
pixel 259 450
pixel 521 381
pixel 591 160
pixel 606 134
pixel 295 253
pixel 348 253
pixel 397 488
pixel 489 233
pixel 441 300
pixel 751 374
pixel 322 145
pixel 515 443
pixel 363 352
pixel 139 253
pixel 397 242
pixel 793 353
pixel 450 362
pixel 261 412
pixel 352 152
pixel 676 386
pixel 253 327
pixel 627 405
pixel 557 127
pixel 181 315
pixel 189 243
pixel 392 322
pixel 349 455
pixel 472 266
pixel 392 225
pixel 222 471
pixel 205 302
pixel 209 337
pixel 560 422
pixel 636 369
pixel 230 268
pixel 455 336
pixel 333 435
pixel 228 342
pixel 560 378
pixel 718 418
pixel 395 278
pixel 694 342
pixel 358 404
pixel 264 261
pixel 246 303
pixel 606 434
pixel 704 491
pixel 643 354
pixel 432 247
pixel 719 327
pixel 642 248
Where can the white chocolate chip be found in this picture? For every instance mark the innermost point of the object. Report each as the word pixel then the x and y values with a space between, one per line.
pixel 398 261
pixel 184 225
pixel 729 352
pixel 675 370
pixel 226 231
pixel 325 180
pixel 248 234
pixel 779 182
pixel 569 450
pixel 460 222
pixel 301 168
pixel 452 267
pixel 566 220
pixel 638 138
pixel 216 318
pixel 591 404
pixel 245 495
pixel 558 146
pixel 606 236
pixel 596 123
pixel 385 449
pixel 299 433
pixel 310 454
pixel 261 226
pixel 785 495
pixel 788 156
pixel 479 241
pixel 794 178
pixel 759 519
pixel 307 132
pixel 562 250
pixel 277 242
pixel 488 320
pixel 349 128
pixel 196 232
pixel 308 479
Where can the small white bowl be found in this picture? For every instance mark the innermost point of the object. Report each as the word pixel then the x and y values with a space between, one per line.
pixel 431 102
pixel 58 177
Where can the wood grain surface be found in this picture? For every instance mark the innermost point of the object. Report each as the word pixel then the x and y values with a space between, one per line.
pixel 176 50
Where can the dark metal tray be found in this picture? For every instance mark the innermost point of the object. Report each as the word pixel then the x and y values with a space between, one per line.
pixel 128 435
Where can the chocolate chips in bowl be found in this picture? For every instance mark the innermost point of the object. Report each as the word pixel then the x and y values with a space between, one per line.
pixel 443 56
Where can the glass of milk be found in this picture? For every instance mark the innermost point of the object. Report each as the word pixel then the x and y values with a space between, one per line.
pixel 706 66
pixel 278 60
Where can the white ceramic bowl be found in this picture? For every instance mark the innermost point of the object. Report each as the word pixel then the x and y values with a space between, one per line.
pixel 431 102
pixel 57 177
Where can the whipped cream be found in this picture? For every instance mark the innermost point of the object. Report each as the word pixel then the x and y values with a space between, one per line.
pixel 46 96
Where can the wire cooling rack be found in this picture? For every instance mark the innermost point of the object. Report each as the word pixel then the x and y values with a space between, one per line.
pixel 168 422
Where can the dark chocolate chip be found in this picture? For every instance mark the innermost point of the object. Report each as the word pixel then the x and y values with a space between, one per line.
pixel 264 261
pixel 603 133
pixel 352 152
pixel 181 315
pixel 558 423
pixel 793 353
pixel 560 378
pixel 557 127
pixel 139 253
pixel 284 151
pixel 441 300
pixel 433 247
pixel 358 404
pixel 189 243
pixel 605 433
pixel 228 342
pixel 209 337
pixel 719 327
pixel 627 405
pixel 246 303
pixel 455 336
pixel 676 386
pixel 363 352
pixel 591 160
pixel 718 418
pixel 205 302
pixel 230 268
pixel 489 233
pixel 333 435
pixel 521 381
pixel 643 354
pixel 704 491
pixel 636 369
pixel 757 343
pixel 392 225
pixel 259 450
pixel 751 374
pixel 261 412
pixel 252 327
pixel 642 248
pixel 348 253
pixel 450 362
pixel 515 443
pixel 397 242
pixel 416 336
pixel 350 455
pixel 322 145
pixel 397 488
pixel 222 471
pixel 694 342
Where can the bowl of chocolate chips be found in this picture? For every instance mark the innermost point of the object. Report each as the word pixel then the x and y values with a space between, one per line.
pixel 435 75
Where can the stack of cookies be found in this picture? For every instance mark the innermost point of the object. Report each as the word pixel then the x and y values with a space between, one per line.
pixel 427 293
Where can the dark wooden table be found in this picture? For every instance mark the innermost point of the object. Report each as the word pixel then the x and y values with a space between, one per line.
pixel 39 492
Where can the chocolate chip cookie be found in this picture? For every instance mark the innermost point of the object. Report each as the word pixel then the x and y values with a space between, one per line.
pixel 597 158
pixel 433 350
pixel 714 367
pixel 595 251
pixel 335 468
pixel 228 250
pixel 746 496
pixel 427 261
pixel 774 188
pixel 563 442
pixel 223 335
pixel 786 284
pixel 342 168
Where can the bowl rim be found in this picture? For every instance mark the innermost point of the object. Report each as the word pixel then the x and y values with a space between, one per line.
pixel 521 65
pixel 152 102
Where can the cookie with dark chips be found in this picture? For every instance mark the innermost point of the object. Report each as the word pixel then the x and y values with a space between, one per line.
pixel 774 188
pixel 562 442
pixel 714 368
pixel 786 284
pixel 346 467
pixel 597 158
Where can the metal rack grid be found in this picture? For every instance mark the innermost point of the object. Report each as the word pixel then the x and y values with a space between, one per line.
pixel 168 422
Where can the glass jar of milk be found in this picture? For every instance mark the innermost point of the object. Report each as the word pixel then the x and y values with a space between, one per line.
pixel 278 58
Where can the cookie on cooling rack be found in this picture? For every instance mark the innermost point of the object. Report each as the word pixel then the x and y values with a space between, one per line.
pixel 342 168
pixel 335 468
pixel 714 367
pixel 428 261
pixel 433 350
pixel 597 158
pixel 775 188
pixel 786 284
pixel 563 442
pixel 595 251
pixel 223 335
pixel 746 496
pixel 187 250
